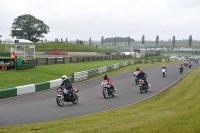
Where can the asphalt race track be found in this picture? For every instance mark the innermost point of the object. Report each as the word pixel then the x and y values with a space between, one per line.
pixel 41 106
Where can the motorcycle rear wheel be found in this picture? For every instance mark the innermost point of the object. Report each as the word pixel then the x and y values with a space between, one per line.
pixel 75 99
pixel 59 101
pixel 113 94
pixel 163 74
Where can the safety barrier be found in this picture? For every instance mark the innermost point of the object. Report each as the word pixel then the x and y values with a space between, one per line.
pixel 78 76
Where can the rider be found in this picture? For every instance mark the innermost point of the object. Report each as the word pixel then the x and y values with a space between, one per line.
pixel 136 71
pixel 181 66
pixel 143 76
pixel 67 84
pixel 189 62
pixel 164 67
pixel 105 77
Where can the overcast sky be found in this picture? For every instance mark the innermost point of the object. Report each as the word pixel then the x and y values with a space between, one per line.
pixel 109 18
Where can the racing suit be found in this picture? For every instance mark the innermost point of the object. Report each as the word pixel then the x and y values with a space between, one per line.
pixel 68 86
pixel 164 68
pixel 144 77
pixel 110 83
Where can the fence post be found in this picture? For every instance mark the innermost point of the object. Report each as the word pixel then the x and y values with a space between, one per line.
pixel 36 61
pixel 70 60
pixel 33 62
pixel 63 59
pixel 77 59
pixel 47 61
pixel 55 60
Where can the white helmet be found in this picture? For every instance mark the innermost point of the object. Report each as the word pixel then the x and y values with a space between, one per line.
pixel 64 77
pixel 163 65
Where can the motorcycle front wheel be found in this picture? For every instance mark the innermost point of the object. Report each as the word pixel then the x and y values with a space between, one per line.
pixel 141 88
pixel 75 99
pixel 59 101
pixel 136 82
pixel 163 74
pixel 105 93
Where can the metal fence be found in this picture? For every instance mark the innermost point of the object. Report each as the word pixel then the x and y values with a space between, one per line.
pixel 55 60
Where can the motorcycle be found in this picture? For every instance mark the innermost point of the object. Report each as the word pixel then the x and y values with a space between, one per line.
pixel 143 86
pixel 164 72
pixel 185 64
pixel 181 69
pixel 190 65
pixel 62 97
pixel 136 79
pixel 107 90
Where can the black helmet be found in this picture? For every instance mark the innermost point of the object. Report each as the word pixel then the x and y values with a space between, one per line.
pixel 105 76
pixel 137 69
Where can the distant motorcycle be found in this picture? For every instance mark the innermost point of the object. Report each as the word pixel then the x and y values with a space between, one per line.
pixel 180 69
pixel 185 64
pixel 107 90
pixel 143 86
pixel 136 79
pixel 62 97
pixel 190 65
pixel 164 72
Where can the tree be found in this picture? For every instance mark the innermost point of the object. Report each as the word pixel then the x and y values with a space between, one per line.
pixel 28 27
pixel 90 41
pixel 77 42
pixel 190 40
pixel 66 40
pixel 0 37
pixel 143 39
pixel 102 40
pixel 115 41
pixel 119 39
pixel 173 40
pixel 157 40
pixel 128 38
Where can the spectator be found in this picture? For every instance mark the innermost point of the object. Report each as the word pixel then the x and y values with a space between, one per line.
pixel 13 56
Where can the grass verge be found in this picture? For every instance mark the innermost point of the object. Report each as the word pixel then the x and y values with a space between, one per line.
pixel 175 110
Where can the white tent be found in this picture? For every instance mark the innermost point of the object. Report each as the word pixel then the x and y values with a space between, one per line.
pixel 24 41
pixel 8 41
pixel 12 41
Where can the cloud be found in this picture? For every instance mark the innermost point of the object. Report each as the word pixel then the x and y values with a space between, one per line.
pixel 108 18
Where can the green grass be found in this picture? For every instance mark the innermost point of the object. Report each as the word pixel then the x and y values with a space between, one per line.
pixel 153 44
pixel 176 110
pixel 50 72
pixel 67 47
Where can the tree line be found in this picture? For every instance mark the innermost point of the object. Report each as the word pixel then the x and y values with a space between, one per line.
pixel 28 27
